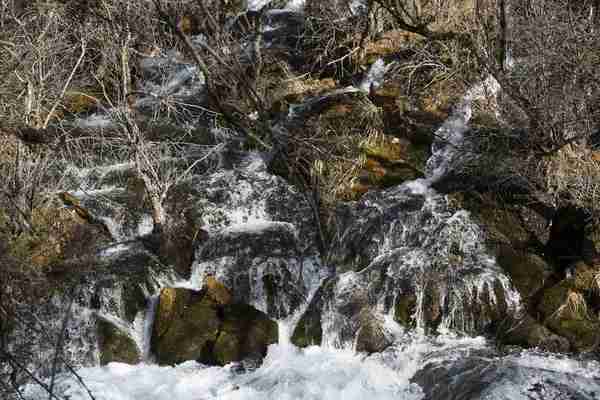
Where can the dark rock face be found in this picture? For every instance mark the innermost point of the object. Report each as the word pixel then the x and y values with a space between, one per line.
pixel 195 325
pixel 567 235
pixel 261 264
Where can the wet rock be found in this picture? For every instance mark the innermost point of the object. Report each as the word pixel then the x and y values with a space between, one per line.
pixel 390 162
pixel 199 325
pixel 528 271
pixel 111 286
pixel 186 326
pixel 527 332
pixel 406 243
pixel 260 263
pixel 404 310
pixel 370 337
pixel 481 374
pixel 115 344
pixel 512 236
pixel 244 333
pixel 591 243
pixel 309 330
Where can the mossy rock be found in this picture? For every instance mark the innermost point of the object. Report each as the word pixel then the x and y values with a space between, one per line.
pixel 565 312
pixel 217 291
pixel 205 326
pixel 245 333
pixel 528 333
pixel 583 334
pixel 186 326
pixel 527 271
pixel 116 345
pixel 392 161
pixel 501 222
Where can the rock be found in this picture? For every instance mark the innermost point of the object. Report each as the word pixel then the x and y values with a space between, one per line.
pixel 392 161
pixel 200 325
pixel 528 333
pixel 186 326
pixel 110 286
pixel 567 235
pixel 388 44
pixel 115 345
pixel 308 330
pixel 484 374
pixel 565 311
pixel 245 333
pixel 217 291
pixel 405 309
pixel 260 263
pixel 371 337
pixel 591 244
pixel 406 243
pixel 512 235
pixel 528 271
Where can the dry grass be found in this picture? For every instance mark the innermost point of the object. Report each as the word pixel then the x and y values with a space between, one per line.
pixel 574 307
pixel 574 174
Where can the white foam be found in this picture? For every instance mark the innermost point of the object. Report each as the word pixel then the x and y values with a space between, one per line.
pixel 287 372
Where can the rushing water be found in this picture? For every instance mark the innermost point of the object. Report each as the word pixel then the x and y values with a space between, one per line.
pixel 414 366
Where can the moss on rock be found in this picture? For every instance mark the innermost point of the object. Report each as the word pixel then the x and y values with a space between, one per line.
pixel 245 333
pixel 186 326
pixel 566 312
pixel 206 326
pixel 116 345
pixel 527 271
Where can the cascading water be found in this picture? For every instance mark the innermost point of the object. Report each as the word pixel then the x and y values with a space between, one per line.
pixel 402 246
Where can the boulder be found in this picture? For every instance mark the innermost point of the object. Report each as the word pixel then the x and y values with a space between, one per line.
pixel 370 337
pixel 565 310
pixel 528 271
pixel 406 243
pixel 115 344
pixel 527 332
pixel 244 333
pixel 404 310
pixel 513 234
pixel 205 326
